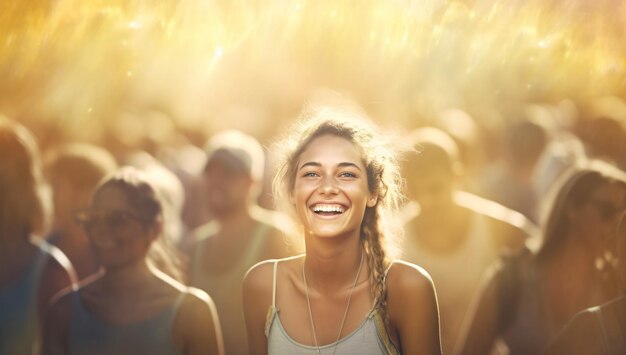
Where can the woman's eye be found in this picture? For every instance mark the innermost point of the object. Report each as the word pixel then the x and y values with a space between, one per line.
pixel 347 174
pixel 309 174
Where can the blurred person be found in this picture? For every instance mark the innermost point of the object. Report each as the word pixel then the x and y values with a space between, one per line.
pixel 455 235
pixel 240 234
pixel 563 151
pixel 171 192
pixel 339 179
pixel 604 138
pixel 512 184
pixel 31 270
pixel 132 307
pixel 599 330
pixel 73 171
pixel 470 139
pixel 186 161
pixel 526 298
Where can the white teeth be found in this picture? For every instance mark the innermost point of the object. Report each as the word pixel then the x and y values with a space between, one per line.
pixel 328 208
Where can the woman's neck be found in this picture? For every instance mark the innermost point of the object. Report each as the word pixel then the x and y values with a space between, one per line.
pixel 128 279
pixel 331 265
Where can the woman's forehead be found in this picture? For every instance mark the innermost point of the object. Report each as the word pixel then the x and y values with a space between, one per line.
pixel 331 150
pixel 111 197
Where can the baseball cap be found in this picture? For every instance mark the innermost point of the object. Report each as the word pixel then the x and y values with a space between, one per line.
pixel 244 148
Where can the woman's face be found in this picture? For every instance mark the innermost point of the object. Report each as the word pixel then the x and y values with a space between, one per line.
pixel 331 193
pixel 597 218
pixel 117 232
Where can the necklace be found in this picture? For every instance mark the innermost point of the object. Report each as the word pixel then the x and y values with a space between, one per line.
pixel 345 314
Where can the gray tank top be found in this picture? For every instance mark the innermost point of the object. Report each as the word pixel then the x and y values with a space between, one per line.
pixel 370 338
pixel 91 336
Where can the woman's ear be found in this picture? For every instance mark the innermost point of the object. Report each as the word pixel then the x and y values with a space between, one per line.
pixel 372 200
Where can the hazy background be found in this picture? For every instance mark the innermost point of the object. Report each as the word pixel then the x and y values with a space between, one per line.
pixel 153 70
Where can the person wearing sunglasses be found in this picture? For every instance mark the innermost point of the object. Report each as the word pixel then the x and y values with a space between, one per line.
pixel 31 269
pixel 131 307
pixel 528 297
pixel 599 330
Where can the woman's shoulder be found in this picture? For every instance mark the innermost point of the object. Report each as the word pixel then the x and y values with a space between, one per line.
pixel 196 320
pixel 262 274
pixel 195 303
pixel 412 307
pixel 260 278
pixel 88 285
pixel 402 274
pixel 409 285
pixel 190 297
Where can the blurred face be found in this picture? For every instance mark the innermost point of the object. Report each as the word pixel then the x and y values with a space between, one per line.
pixel 226 184
pixel 598 217
pixel 330 193
pixel 68 199
pixel 432 190
pixel 118 234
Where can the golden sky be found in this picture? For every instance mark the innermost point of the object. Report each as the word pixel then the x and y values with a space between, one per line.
pixel 253 64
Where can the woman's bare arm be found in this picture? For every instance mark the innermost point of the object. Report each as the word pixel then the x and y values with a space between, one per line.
pixel 257 298
pixel 413 310
pixel 198 322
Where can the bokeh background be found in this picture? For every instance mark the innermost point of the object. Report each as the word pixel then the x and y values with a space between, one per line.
pixel 144 71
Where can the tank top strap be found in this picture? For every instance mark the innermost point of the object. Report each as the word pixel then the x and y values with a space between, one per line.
pixel 48 249
pixel 271 311
pixel 275 268
pixel 387 270
pixel 178 302
pixel 199 237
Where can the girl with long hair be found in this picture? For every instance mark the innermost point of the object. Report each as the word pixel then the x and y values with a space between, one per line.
pixel 339 179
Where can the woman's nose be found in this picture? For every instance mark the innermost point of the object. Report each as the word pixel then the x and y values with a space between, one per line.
pixel 328 186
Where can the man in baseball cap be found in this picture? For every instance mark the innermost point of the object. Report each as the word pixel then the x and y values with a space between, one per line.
pixel 240 233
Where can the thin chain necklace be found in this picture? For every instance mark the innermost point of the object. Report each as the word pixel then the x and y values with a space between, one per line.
pixel 345 314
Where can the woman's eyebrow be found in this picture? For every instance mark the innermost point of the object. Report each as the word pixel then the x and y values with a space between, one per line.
pixel 341 165
pixel 348 165
pixel 310 163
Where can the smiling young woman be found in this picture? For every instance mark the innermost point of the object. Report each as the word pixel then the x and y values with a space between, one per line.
pixel 339 179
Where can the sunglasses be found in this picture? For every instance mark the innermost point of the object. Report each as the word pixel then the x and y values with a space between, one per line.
pixel 94 221
pixel 605 209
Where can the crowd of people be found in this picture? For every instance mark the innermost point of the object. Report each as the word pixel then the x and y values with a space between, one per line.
pixel 425 242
